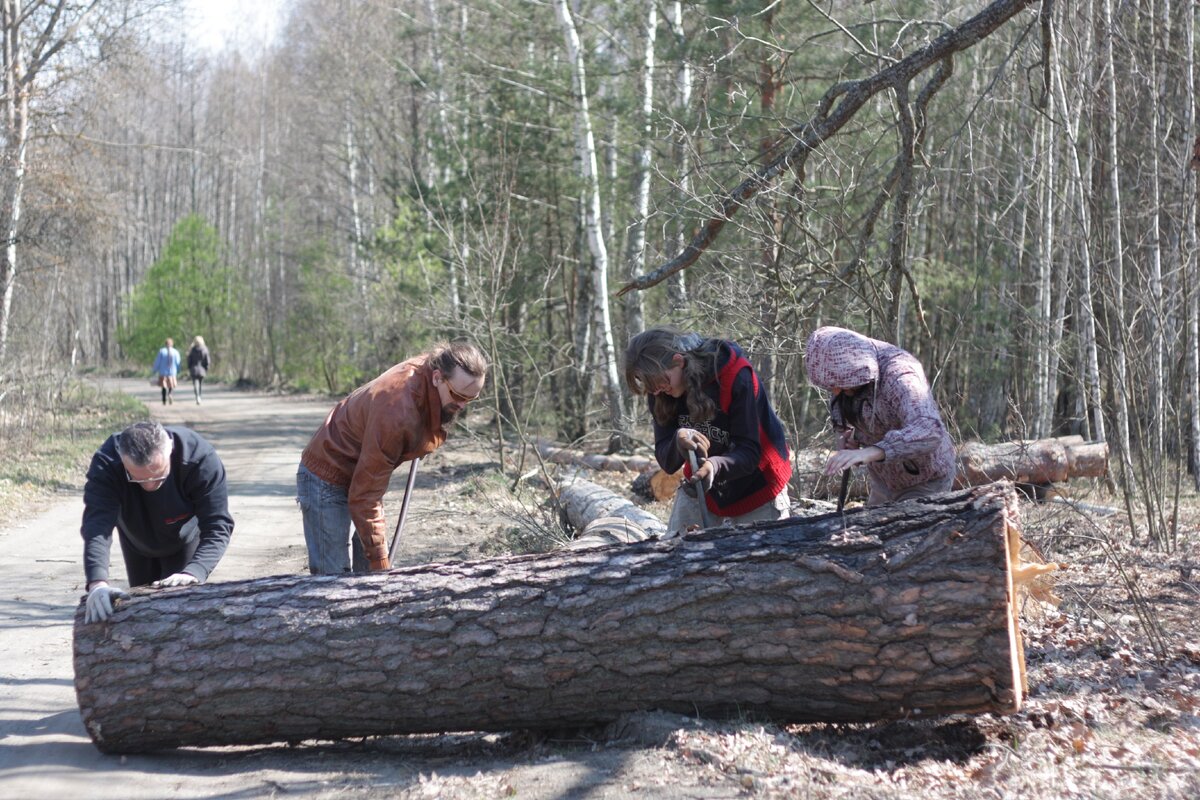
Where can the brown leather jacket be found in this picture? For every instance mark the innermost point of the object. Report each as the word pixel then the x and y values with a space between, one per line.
pixel 394 418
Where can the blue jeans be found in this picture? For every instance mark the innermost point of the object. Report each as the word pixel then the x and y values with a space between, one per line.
pixel 327 531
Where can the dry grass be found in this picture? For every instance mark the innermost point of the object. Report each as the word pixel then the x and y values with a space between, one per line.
pixel 49 429
pixel 1107 716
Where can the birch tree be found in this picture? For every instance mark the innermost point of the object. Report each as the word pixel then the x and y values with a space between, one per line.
pixel 586 155
pixel 636 257
pixel 35 36
pixel 1190 267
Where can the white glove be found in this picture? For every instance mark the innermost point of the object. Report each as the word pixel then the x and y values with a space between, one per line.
pixel 100 603
pixel 178 579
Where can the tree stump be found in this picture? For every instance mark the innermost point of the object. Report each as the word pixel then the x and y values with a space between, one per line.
pixel 901 611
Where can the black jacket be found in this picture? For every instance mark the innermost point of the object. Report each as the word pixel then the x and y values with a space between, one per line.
pixel 198 361
pixel 192 502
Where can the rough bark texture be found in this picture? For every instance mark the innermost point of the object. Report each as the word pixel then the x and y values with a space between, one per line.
pixel 904 611
pixel 1038 462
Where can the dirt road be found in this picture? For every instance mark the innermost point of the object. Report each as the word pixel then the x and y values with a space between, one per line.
pixel 44 750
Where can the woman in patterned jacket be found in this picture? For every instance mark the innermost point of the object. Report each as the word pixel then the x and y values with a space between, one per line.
pixel 703 395
pixel 885 413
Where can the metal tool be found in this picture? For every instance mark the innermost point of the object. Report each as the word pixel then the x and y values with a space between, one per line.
pixel 412 477
pixel 844 492
pixel 705 517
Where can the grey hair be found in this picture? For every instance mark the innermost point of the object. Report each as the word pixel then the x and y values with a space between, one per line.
pixel 142 441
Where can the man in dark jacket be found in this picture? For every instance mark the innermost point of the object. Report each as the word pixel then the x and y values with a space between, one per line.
pixel 163 490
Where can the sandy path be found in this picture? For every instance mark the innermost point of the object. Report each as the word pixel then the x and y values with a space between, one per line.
pixel 44 750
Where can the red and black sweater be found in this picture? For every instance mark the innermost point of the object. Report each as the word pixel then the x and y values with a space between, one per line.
pixel 749 452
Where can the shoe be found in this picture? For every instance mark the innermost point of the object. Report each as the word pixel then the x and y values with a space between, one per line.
pixel 170 400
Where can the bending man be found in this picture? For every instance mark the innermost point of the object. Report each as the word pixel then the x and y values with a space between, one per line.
pixel 163 490
pixel 344 472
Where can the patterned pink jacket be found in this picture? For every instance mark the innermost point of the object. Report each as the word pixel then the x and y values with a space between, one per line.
pixel 899 415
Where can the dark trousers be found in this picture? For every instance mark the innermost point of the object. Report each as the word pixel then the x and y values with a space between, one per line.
pixel 143 569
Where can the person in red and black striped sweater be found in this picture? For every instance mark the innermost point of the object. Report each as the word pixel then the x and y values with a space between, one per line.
pixel 704 395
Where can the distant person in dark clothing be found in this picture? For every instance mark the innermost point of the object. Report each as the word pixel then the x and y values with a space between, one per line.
pixel 704 396
pixel 197 360
pixel 166 367
pixel 163 490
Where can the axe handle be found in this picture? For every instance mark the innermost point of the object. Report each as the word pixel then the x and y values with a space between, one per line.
pixel 412 477
pixel 844 491
pixel 705 517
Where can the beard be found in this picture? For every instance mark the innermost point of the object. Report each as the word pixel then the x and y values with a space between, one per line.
pixel 449 414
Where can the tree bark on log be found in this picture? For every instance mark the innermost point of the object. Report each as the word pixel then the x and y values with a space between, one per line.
pixel 602 517
pixel 1039 462
pixel 902 611
pixel 612 463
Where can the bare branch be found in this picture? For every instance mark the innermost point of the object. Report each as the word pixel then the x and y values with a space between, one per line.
pixel 825 124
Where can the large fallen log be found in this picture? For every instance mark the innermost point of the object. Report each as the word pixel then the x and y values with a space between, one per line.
pixel 903 611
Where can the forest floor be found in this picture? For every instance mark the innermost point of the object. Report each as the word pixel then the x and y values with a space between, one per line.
pixel 1114 668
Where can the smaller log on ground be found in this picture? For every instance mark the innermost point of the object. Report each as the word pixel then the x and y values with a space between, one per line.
pixel 1039 462
pixel 602 517
pixel 610 463
pixel 902 611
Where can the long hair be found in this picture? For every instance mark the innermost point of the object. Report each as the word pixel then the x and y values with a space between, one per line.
pixel 462 354
pixel 850 406
pixel 651 353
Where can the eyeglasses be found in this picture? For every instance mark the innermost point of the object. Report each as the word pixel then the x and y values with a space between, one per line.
pixel 158 479
pixel 458 397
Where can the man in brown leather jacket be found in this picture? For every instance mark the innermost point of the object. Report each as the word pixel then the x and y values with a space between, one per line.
pixel 344 471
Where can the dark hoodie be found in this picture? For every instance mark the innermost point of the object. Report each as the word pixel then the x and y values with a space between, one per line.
pixel 192 502
pixel 749 452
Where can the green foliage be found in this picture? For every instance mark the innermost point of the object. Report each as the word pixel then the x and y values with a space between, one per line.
pixel 187 291
pixel 317 350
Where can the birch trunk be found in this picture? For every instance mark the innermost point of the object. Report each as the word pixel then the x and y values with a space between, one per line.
pixel 586 152
pixel 636 257
pixel 1044 393
pixel 1190 262
pixel 16 141
pixel 1155 317
pixel 1118 328
pixel 677 291
pixel 1093 416
pixel 447 133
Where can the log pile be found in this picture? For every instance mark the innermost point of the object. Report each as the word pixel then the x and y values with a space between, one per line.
pixel 905 611
pixel 1037 463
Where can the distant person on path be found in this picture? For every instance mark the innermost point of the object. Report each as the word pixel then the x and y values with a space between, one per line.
pixel 703 395
pixel 166 366
pixel 197 361
pixel 163 490
pixel 885 414
pixel 344 472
